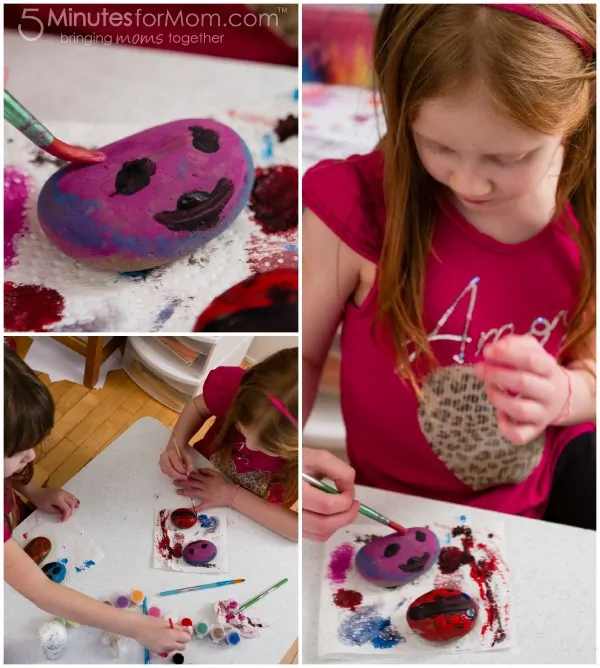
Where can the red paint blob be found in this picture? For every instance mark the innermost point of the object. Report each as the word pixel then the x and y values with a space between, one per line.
pixel 274 198
pixel 347 598
pixel 186 621
pixel 164 543
pixel 31 308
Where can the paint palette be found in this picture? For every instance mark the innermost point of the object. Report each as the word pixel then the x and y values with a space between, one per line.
pixel 360 618
pixel 159 195
pixel 172 544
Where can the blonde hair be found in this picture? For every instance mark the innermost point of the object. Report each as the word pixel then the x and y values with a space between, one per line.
pixel 275 376
pixel 538 77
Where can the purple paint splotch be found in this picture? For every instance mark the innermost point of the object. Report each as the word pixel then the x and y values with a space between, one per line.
pixel 16 194
pixel 340 562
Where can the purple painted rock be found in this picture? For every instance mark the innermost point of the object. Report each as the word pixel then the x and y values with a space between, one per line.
pixel 396 559
pixel 184 518
pixel 199 552
pixel 38 549
pixel 158 196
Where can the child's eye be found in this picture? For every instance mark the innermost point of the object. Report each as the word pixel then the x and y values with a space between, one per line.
pixel 501 162
pixel 438 148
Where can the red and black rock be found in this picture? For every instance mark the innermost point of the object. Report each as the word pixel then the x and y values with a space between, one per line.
pixel 184 518
pixel 442 615
pixel 263 303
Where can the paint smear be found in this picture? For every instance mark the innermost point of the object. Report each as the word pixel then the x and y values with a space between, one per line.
pixel 16 194
pixel 340 563
pixel 163 544
pixel 86 564
pixel 31 308
pixel 209 522
pixel 274 198
pixel 367 625
pixel 272 251
pixel 347 598
pixel 166 312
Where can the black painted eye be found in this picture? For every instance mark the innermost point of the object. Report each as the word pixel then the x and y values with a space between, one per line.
pixel 420 536
pixel 391 550
pixel 204 546
pixel 134 176
pixel 204 140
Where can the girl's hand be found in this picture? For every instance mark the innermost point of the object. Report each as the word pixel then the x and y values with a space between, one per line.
pixel 525 384
pixel 323 514
pixel 156 635
pixel 170 463
pixel 212 488
pixel 55 501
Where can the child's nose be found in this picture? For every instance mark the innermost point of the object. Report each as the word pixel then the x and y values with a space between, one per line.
pixel 466 183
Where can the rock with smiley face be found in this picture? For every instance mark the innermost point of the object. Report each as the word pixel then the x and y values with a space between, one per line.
pixel 396 559
pixel 158 196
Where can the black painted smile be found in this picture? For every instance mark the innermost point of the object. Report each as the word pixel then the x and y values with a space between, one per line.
pixel 415 564
pixel 197 210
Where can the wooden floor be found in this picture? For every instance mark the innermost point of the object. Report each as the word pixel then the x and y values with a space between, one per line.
pixel 88 421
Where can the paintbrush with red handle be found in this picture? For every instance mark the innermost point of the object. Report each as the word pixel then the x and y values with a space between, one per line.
pixel 363 510
pixel 16 114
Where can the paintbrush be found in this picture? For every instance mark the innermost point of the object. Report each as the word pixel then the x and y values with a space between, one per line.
pixel 16 114
pixel 145 612
pixel 252 601
pixel 210 585
pixel 187 477
pixel 363 510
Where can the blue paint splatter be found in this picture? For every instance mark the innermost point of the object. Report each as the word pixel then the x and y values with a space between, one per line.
pixel 295 95
pixel 402 602
pixel 448 539
pixel 210 523
pixel 136 276
pixel 166 313
pixel 64 561
pixel 389 636
pixel 291 247
pixel 86 564
pixel 267 149
pixel 463 518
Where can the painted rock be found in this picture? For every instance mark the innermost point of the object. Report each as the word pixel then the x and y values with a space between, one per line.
pixel 184 518
pixel 56 571
pixel 158 196
pixel 442 615
pixel 199 552
pixel 396 559
pixel 38 549
pixel 263 303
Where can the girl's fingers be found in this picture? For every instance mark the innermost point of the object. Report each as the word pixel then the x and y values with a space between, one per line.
pixel 323 503
pixel 318 538
pixel 522 352
pixel 517 434
pixel 522 383
pixel 521 410
pixel 325 525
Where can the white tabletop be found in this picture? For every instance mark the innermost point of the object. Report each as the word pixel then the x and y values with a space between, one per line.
pixel 553 569
pixel 161 85
pixel 117 491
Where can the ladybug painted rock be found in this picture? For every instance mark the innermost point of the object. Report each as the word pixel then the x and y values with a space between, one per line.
pixel 263 303
pixel 55 571
pixel 442 615
pixel 158 196
pixel 396 559
pixel 184 518
pixel 199 553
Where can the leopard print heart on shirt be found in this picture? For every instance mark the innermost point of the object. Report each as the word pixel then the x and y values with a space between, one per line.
pixel 460 425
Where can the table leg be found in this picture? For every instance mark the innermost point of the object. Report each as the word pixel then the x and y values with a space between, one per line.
pixel 93 360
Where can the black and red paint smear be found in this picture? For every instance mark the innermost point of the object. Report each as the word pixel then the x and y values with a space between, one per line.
pixel 31 308
pixel 481 571
pixel 163 543
pixel 274 198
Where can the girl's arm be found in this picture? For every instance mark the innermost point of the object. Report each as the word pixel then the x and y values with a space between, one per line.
pixel 25 577
pixel 279 519
pixel 330 275
pixel 193 416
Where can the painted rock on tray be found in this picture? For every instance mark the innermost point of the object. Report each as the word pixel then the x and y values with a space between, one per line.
pixel 396 559
pixel 199 552
pixel 56 571
pixel 158 196
pixel 442 615
pixel 38 549
pixel 263 303
pixel 184 518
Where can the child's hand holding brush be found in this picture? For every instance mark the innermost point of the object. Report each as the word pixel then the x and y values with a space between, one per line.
pixel 174 462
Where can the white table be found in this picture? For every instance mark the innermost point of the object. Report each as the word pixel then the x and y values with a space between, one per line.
pixel 553 571
pixel 117 491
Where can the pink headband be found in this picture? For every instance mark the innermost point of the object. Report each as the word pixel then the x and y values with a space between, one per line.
pixel 533 13
pixel 282 409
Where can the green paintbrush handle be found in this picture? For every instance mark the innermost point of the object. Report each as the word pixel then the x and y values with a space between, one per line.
pixel 16 114
pixel 363 510
pixel 262 595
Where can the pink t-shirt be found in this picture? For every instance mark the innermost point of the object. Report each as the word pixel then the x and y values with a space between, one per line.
pixel 250 469
pixel 445 444
pixel 15 510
